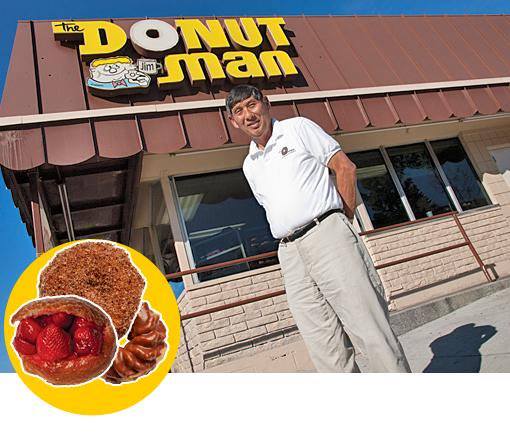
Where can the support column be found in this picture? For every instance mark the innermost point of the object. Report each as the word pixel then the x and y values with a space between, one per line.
pixel 35 209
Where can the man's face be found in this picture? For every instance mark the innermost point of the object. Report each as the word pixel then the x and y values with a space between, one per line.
pixel 251 116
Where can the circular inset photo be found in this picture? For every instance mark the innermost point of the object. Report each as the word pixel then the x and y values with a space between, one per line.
pixel 92 327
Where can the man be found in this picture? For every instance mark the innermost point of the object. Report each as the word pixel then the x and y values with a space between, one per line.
pixel 330 280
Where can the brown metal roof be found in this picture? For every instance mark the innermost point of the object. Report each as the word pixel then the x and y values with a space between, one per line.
pixel 332 53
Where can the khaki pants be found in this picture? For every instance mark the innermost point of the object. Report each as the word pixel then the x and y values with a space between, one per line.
pixel 336 297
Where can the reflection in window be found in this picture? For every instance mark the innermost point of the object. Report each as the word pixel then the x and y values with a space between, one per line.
pixel 377 190
pixel 152 235
pixel 460 173
pixel 141 241
pixel 223 221
pixel 420 180
pixel 162 232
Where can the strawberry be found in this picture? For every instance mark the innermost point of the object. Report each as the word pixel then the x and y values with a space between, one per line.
pixel 28 330
pixel 80 322
pixel 24 347
pixel 87 340
pixel 53 343
pixel 62 320
pixel 44 320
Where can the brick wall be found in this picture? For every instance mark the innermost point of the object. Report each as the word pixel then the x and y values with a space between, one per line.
pixel 488 230
pixel 239 329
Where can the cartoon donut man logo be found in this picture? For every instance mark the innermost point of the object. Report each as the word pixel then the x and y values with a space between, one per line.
pixel 115 75
pixel 284 151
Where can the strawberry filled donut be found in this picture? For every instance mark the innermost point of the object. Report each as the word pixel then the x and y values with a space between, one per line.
pixel 65 340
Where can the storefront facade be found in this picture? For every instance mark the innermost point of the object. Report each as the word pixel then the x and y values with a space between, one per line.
pixel 420 104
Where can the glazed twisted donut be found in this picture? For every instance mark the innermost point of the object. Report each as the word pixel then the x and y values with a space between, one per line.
pixel 146 347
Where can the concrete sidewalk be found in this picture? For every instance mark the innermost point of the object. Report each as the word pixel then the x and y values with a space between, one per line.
pixel 474 338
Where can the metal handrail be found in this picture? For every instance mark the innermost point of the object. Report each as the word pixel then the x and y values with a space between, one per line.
pixel 467 242
pixel 220 265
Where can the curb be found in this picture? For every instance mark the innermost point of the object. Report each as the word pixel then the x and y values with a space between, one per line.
pixel 411 318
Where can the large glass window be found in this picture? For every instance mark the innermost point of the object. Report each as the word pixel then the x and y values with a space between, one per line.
pixel 420 180
pixel 420 176
pixel 377 190
pixel 223 222
pixel 460 173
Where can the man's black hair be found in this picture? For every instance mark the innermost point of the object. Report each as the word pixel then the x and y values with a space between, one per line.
pixel 240 93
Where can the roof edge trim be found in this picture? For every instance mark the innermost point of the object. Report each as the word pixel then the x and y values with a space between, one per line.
pixel 35 119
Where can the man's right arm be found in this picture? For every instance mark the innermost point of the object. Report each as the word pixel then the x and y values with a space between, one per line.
pixel 251 182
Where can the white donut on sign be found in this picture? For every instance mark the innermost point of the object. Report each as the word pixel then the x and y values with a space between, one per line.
pixel 152 38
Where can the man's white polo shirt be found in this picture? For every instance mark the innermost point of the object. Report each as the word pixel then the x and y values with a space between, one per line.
pixel 290 177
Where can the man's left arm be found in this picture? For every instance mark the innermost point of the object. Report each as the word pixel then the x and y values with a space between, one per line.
pixel 345 179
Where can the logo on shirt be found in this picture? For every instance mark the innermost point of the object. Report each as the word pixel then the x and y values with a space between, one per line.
pixel 285 151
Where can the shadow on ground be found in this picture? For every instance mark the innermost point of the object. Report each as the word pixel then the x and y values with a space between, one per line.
pixel 459 351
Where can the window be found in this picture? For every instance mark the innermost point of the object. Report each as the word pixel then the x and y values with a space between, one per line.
pixel 415 181
pixel 460 173
pixel 223 222
pixel 420 180
pixel 377 190
pixel 152 235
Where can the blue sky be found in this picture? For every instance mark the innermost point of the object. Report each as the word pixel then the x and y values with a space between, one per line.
pixel 16 250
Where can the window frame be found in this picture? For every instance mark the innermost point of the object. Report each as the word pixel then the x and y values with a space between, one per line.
pixel 184 231
pixel 182 226
pixel 398 186
pixel 396 182
pixel 442 175
pixel 153 240
pixel 435 163
pixel 475 172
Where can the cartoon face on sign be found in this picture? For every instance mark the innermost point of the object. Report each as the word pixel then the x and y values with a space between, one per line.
pixel 114 75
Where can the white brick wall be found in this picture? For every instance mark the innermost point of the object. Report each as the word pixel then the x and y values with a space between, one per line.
pixel 236 329
pixel 487 229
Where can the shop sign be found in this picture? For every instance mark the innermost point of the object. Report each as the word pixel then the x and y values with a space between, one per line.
pixel 212 52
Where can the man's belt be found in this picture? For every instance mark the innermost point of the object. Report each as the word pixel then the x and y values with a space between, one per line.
pixel 301 231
